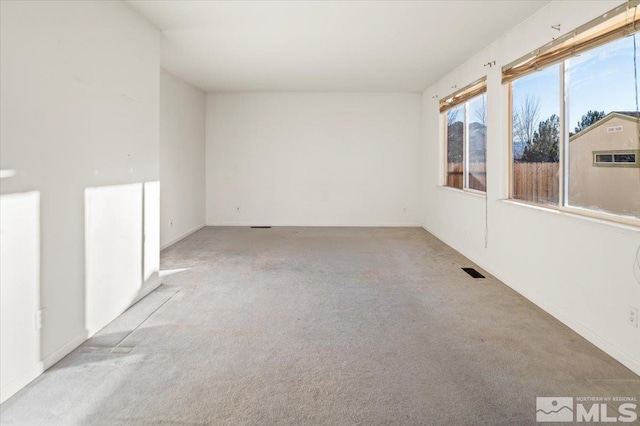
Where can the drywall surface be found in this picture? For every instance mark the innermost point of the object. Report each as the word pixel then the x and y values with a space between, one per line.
pixel 580 270
pixel 317 159
pixel 182 158
pixel 79 154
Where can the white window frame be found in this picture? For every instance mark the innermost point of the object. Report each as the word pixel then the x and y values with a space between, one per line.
pixel 614 163
pixel 622 21
pixel 563 163
pixel 465 152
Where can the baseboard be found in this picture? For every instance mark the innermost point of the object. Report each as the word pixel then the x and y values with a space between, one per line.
pixel 604 345
pixel 151 285
pixel 181 237
pixel 607 347
pixel 32 373
pixel 315 225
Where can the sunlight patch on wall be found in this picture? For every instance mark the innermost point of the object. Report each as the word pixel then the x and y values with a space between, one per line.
pixel 19 288
pixel 113 251
pixel 151 229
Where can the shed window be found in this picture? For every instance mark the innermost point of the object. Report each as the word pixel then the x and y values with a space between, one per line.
pixel 628 158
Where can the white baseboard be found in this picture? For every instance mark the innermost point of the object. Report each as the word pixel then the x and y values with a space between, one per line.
pixel 315 225
pixel 607 347
pixel 181 237
pixel 32 373
pixel 151 285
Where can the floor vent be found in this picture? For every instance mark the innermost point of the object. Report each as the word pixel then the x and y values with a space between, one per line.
pixel 473 272
pixel 260 227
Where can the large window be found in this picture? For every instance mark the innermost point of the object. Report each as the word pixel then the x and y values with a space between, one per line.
pixel 466 138
pixel 536 137
pixel 575 132
pixel 603 171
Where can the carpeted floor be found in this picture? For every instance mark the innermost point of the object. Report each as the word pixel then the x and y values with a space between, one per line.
pixel 320 326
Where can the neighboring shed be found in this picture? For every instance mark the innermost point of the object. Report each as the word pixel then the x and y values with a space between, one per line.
pixel 604 165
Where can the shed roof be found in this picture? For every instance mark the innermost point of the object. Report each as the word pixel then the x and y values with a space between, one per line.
pixel 632 116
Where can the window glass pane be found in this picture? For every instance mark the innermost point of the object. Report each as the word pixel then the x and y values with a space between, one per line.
pixel 624 158
pixel 477 143
pixel 604 158
pixel 536 136
pixel 455 146
pixel 601 108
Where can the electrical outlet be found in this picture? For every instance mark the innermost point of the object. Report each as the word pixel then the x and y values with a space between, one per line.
pixel 633 316
pixel 38 319
pixel 237 209
pixel 170 223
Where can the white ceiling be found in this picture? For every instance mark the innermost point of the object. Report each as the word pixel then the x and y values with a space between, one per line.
pixel 325 45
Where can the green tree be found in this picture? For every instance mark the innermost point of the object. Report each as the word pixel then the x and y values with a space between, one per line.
pixel 544 146
pixel 588 119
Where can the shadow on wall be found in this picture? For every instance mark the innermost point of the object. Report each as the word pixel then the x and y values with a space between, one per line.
pixel 121 262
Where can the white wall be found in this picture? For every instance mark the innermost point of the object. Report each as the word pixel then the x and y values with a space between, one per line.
pixel 580 270
pixel 182 159
pixel 79 86
pixel 317 159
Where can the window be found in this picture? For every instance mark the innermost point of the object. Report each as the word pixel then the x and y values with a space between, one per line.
pixel 466 137
pixel 603 158
pixel 575 130
pixel 619 159
pixel 455 146
pixel 536 137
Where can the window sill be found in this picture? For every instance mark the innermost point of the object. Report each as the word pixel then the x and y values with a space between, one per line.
pixel 588 215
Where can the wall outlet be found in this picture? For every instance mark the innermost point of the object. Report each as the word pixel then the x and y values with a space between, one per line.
pixel 633 316
pixel 237 209
pixel 38 319
pixel 170 223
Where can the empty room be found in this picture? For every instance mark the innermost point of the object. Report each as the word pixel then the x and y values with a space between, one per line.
pixel 319 212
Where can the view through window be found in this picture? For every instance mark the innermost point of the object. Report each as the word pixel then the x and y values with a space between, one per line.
pixel 602 142
pixel 467 144
pixel 603 171
pixel 455 146
pixel 536 136
pixel 476 167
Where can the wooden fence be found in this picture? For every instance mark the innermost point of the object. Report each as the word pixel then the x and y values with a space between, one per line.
pixel 534 182
pixel 477 178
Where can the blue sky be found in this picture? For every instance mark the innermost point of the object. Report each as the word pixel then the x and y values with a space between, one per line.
pixel 601 79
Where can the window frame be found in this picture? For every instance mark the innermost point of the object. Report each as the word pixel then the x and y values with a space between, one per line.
pixel 613 153
pixel 562 176
pixel 465 146
pixel 562 183
pixel 563 145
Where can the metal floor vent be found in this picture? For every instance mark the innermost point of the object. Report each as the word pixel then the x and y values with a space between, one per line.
pixel 473 272
pixel 260 227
